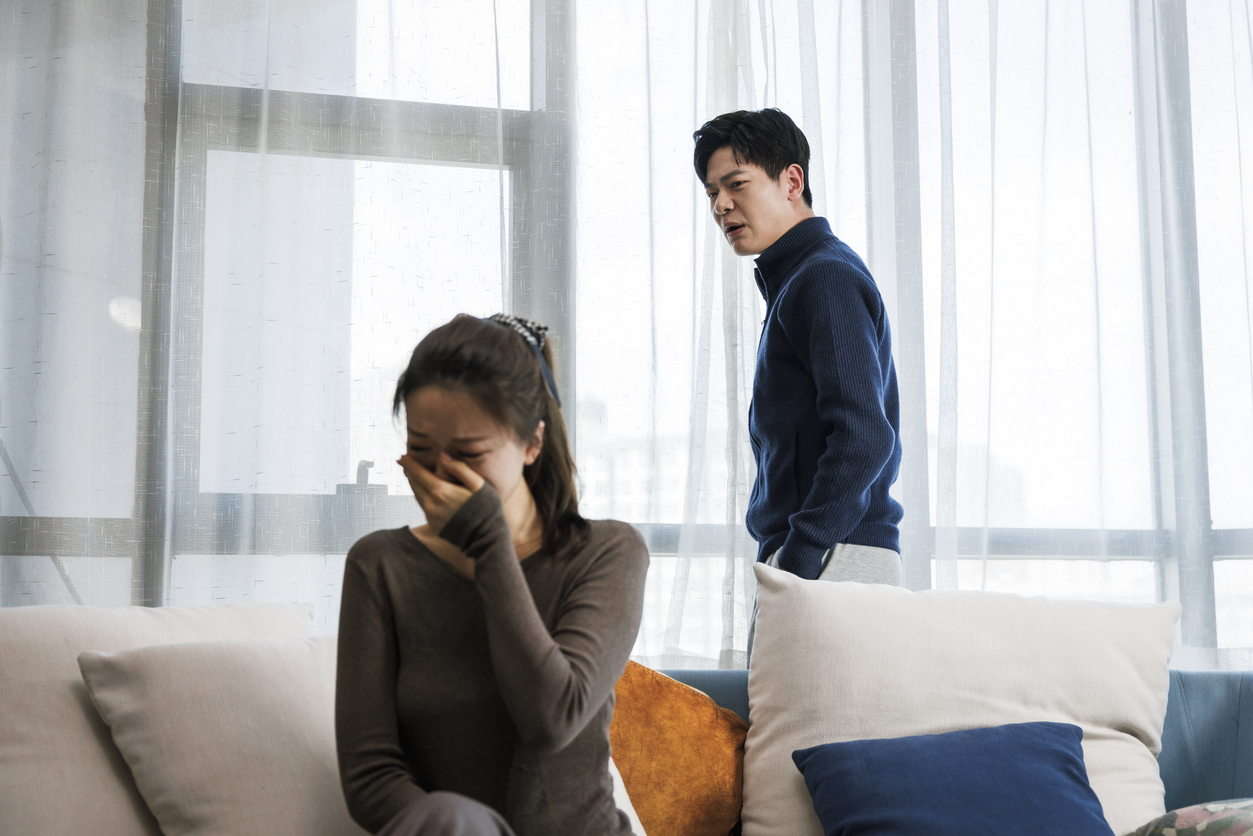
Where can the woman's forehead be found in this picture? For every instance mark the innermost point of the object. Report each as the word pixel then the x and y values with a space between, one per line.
pixel 449 412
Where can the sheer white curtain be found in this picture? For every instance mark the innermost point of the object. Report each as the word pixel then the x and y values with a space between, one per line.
pixel 224 224
pixel 71 220
pixel 203 327
pixel 1035 316
pixel 1050 197
pixel 664 389
pixel 1221 58
pixel 1085 298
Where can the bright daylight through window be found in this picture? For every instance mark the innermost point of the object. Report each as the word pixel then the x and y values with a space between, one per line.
pixel 258 208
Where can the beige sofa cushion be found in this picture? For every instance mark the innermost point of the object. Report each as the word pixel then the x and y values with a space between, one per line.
pixel 846 661
pixel 229 738
pixel 59 770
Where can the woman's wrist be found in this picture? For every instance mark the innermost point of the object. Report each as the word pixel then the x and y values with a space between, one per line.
pixel 478 524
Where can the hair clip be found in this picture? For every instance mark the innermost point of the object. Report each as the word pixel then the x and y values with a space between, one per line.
pixel 535 334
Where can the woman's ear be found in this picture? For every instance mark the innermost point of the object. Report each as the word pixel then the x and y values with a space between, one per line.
pixel 534 445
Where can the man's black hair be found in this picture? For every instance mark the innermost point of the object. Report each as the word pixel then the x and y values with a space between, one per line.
pixel 767 138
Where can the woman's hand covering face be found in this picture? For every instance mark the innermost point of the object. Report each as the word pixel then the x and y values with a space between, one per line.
pixel 440 499
pixel 453 446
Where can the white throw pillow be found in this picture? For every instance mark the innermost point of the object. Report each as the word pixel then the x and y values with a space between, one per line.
pixel 59 770
pixel 847 661
pixel 232 738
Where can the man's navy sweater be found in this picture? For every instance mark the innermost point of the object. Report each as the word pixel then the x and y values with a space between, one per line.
pixel 825 414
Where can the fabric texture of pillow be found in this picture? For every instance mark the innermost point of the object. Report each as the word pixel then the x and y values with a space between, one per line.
pixel 233 737
pixel 680 754
pixel 1218 818
pixel 1018 778
pixel 834 662
pixel 59 769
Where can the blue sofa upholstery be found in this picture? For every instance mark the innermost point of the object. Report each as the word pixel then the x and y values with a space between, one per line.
pixel 1207 741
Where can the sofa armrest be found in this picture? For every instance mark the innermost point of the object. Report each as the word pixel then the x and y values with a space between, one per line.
pixel 1207 740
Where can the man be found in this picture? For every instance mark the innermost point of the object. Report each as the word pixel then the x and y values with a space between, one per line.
pixel 825 413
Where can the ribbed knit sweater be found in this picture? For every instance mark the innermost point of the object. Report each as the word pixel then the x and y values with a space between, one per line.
pixel 498 687
pixel 825 414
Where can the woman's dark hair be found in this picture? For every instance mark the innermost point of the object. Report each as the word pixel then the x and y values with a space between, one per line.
pixel 767 138
pixel 499 369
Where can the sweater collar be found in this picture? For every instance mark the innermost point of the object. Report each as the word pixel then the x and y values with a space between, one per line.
pixel 777 261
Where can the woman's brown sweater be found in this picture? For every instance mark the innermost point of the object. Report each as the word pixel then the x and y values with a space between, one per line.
pixel 500 687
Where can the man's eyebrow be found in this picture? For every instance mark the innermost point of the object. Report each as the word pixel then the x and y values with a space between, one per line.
pixel 724 178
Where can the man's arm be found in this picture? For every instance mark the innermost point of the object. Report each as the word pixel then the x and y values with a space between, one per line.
pixel 834 319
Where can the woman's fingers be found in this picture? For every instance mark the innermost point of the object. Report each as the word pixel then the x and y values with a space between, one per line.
pixel 421 480
pixel 418 473
pixel 440 498
pixel 464 474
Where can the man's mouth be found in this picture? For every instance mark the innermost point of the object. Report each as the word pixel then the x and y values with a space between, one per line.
pixel 732 229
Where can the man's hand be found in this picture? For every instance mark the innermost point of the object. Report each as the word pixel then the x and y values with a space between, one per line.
pixel 440 499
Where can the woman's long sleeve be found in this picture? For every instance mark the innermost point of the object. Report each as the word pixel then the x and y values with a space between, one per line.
pixel 376 782
pixel 553 683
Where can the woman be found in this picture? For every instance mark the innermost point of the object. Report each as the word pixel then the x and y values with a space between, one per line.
pixel 478 652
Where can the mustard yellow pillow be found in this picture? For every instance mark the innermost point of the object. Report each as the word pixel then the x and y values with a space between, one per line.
pixel 680 754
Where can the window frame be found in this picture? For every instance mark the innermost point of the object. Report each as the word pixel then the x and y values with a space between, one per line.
pixel 171 516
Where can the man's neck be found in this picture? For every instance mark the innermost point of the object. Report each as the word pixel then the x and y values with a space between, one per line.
pixel 800 217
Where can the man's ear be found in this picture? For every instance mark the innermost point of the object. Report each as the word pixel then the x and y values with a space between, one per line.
pixel 534 445
pixel 794 179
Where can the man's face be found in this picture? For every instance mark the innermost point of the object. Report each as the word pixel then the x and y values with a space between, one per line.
pixel 752 209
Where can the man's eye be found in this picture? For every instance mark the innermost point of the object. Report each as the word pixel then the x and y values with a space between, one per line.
pixel 469 457
pixel 419 450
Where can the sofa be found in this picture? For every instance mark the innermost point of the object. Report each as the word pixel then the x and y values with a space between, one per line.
pixel 75 759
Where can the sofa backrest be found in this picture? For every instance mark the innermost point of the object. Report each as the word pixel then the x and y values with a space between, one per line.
pixel 1207 741
pixel 59 769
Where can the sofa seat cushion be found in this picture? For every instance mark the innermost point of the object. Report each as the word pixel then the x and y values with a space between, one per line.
pixel 835 662
pixel 228 738
pixel 59 769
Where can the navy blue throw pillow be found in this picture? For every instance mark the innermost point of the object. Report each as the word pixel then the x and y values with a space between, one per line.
pixel 1024 778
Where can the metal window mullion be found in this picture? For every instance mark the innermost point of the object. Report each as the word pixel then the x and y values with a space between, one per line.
pixel 538 150
pixel 894 235
pixel 1171 277
pixel 544 285
pixel 309 124
pixel 977 542
pixel 150 560
pixel 70 537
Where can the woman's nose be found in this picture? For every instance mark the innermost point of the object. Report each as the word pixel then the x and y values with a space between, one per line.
pixel 441 469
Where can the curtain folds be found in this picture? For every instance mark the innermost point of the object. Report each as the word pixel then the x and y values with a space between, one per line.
pixel 680 461
pixel 199 339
